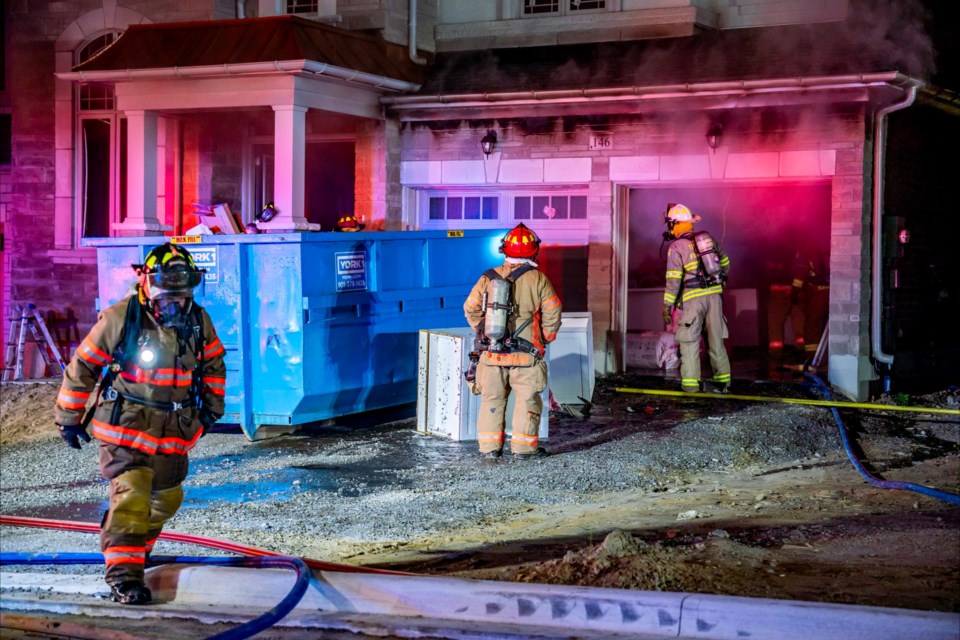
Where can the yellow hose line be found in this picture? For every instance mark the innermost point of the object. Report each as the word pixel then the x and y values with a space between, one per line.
pixel 816 403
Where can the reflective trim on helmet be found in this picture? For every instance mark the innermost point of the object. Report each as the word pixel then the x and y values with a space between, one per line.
pixel 173 282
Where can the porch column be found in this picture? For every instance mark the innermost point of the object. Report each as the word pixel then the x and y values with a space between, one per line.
pixel 289 147
pixel 141 218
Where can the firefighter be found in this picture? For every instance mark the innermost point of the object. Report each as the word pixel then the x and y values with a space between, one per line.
pixel 813 275
pixel 786 302
pixel 349 222
pixel 515 313
pixel 696 273
pixel 162 389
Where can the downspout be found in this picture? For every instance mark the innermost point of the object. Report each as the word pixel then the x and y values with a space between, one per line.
pixel 412 34
pixel 879 156
pixel 241 9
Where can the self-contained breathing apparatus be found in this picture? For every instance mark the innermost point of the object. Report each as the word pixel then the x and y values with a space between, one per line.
pixel 497 307
pixel 709 272
pixel 134 345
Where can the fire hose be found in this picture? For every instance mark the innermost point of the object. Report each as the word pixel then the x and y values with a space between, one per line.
pixel 245 630
pixel 203 541
pixel 257 558
pixel 832 404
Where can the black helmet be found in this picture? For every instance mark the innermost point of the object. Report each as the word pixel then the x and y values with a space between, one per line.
pixel 170 270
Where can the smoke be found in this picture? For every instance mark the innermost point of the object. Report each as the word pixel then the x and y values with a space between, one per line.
pixel 901 30
pixel 878 35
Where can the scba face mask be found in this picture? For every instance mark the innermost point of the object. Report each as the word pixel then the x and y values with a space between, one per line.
pixel 172 311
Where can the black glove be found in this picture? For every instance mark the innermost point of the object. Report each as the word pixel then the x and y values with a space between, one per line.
pixel 207 419
pixel 72 434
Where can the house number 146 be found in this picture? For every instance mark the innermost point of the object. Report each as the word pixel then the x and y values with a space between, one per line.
pixel 601 142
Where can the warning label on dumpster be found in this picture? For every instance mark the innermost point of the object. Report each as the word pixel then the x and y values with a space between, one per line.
pixel 351 271
pixel 206 258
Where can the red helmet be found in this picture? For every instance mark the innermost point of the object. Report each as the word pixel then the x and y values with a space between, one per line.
pixel 520 242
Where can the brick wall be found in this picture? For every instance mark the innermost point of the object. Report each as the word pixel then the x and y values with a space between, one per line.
pixel 377 190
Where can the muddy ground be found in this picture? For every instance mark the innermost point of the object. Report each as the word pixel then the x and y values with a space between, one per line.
pixel 640 492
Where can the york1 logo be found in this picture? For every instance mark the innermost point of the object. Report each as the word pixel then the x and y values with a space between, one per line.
pixel 207 258
pixel 348 265
pixel 204 256
pixel 351 271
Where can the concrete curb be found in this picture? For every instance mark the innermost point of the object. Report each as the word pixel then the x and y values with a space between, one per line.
pixel 452 606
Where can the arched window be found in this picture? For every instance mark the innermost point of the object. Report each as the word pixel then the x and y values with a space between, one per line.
pixel 101 146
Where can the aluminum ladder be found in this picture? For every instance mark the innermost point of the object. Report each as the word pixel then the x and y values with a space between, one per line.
pixel 28 318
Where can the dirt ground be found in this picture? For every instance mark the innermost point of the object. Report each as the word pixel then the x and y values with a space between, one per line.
pixel 814 531
pixel 811 530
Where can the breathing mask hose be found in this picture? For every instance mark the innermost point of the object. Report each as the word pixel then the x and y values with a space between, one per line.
pixel 883 484
pixel 245 630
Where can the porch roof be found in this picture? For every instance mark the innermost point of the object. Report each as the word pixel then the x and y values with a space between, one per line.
pixel 249 44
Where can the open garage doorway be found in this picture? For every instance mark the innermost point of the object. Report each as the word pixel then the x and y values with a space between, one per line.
pixel 766 229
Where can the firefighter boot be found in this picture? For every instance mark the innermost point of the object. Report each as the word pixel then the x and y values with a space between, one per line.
pixel 130 592
pixel 540 452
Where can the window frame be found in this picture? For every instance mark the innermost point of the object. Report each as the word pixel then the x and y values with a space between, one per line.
pixel 301 7
pixel 116 150
pixel 564 9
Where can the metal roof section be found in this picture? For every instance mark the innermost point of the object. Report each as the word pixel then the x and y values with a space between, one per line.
pixel 252 46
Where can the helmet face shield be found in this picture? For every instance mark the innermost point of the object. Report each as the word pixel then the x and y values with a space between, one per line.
pixel 170 269
pixel 180 282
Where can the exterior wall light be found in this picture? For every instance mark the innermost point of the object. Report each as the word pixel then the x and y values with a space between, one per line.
pixel 488 142
pixel 714 133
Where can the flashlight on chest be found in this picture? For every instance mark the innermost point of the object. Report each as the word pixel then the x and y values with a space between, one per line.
pixel 147 354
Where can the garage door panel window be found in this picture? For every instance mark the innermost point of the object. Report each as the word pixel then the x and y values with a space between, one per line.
pixel 477 208
pixel 550 207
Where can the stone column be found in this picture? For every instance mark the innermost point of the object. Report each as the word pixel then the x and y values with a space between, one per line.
pixel 141 218
pixel 289 144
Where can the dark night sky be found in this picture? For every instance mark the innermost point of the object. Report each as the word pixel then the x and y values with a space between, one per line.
pixel 942 24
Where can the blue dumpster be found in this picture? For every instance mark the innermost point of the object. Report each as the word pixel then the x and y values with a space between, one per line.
pixel 318 325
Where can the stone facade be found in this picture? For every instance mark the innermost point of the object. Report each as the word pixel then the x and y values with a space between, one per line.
pixel 668 148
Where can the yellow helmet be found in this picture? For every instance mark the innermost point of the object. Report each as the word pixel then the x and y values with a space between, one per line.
pixel 349 222
pixel 680 213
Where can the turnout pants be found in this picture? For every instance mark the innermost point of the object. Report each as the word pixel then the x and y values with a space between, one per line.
pixel 496 383
pixel 697 314
pixel 779 309
pixel 145 492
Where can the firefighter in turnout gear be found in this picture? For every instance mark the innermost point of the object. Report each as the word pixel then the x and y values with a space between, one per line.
pixel 696 273
pixel 785 302
pixel 163 385
pixel 515 313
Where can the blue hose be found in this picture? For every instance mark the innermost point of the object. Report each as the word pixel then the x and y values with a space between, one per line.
pixel 883 484
pixel 245 630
